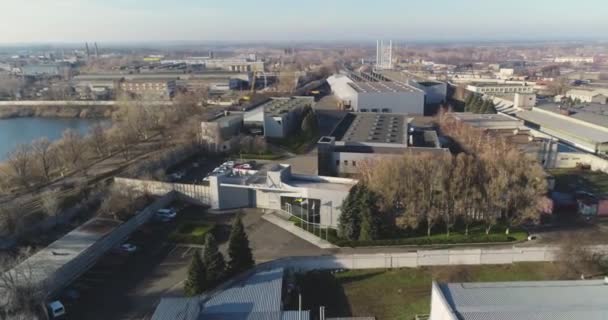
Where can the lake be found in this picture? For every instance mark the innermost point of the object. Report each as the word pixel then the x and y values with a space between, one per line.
pixel 25 130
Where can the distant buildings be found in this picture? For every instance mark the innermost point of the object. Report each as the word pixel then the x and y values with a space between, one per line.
pixel 156 88
pixel 360 137
pixel 589 95
pixel 498 89
pixel 539 300
pixel 574 59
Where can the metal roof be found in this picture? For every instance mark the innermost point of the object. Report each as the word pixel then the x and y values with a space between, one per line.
pixel 376 127
pixel 565 126
pixel 382 87
pixel 257 297
pixel 539 300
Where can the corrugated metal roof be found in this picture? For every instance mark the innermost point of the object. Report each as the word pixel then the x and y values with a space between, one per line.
pixel 541 300
pixel 259 293
pixel 178 309
pixel 565 126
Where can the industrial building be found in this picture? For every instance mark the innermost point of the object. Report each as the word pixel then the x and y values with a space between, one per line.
pixel 361 137
pixel 497 89
pixel 258 296
pixel 584 126
pixel 435 92
pixel 277 117
pixel 539 300
pixel 150 87
pixel 369 93
pixel 590 96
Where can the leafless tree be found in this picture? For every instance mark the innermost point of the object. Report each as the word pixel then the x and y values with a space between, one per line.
pixel 44 157
pixel 72 149
pixel 99 140
pixel 22 295
pixel 51 203
pixel 19 162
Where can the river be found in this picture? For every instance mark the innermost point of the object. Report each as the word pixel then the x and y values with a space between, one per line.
pixel 25 130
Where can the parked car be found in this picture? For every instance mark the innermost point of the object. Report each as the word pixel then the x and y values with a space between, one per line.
pixel 56 310
pixel 166 214
pixel 533 237
pixel 128 248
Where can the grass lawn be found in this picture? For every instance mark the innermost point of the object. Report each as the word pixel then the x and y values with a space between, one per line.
pixel 401 293
pixel 571 180
pixel 438 237
pixel 191 232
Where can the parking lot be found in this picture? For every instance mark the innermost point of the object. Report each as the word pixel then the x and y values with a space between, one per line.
pixel 129 285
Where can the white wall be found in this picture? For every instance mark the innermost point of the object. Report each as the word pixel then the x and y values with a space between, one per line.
pixel 440 308
pixel 397 102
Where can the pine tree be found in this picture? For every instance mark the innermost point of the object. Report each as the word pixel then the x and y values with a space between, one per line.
pixel 196 283
pixel 484 107
pixel 239 251
pixel 467 101
pixel 348 222
pixel 476 104
pixel 309 123
pixel 215 266
pixel 491 107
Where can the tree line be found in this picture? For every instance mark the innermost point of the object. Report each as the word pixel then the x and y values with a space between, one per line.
pixel 490 183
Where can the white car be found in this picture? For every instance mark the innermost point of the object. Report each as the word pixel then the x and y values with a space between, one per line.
pixel 166 213
pixel 128 248
pixel 55 309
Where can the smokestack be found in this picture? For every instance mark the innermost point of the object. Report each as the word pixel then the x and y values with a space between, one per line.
pixel 86 44
pixel 96 51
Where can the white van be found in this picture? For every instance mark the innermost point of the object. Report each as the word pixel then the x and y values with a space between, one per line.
pixel 56 309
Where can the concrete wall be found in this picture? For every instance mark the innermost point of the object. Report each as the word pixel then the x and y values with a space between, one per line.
pixel 197 193
pixel 397 102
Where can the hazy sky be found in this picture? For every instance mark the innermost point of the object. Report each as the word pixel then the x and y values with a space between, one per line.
pixel 249 20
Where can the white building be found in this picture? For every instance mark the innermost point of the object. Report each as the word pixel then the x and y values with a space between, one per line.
pixel 371 95
pixel 499 88
pixel 591 96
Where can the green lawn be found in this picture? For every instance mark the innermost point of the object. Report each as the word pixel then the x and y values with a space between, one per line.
pixel 571 180
pixel 438 237
pixel 191 232
pixel 401 293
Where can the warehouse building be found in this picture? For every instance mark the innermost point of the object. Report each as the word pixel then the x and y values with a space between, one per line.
pixel 498 89
pixel 361 137
pixel 370 93
pixel 538 300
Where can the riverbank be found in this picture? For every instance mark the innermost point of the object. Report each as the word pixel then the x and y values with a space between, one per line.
pixel 47 111
pixel 61 109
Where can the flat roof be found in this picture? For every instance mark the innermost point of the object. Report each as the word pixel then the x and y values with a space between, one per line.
pixel 589 112
pixel 571 128
pixel 278 106
pixel 486 84
pixel 539 300
pixel 381 87
pixel 373 127
pixel 488 121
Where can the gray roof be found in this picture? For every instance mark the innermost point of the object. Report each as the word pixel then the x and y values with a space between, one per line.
pixel 278 106
pixel 376 127
pixel 257 297
pixel 382 87
pixel 565 126
pixel 595 113
pixel 539 300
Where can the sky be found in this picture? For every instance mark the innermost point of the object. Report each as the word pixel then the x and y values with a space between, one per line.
pixel 47 21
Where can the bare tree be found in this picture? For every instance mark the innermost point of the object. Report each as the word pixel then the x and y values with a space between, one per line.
pixel 44 156
pixel 22 295
pixel 19 162
pixel 99 140
pixel 51 203
pixel 72 149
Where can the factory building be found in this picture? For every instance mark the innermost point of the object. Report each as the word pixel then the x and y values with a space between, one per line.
pixel 361 137
pixel 155 88
pixel 497 89
pixel 373 92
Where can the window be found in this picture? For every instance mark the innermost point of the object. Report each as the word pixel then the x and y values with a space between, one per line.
pixel 354 163
pixel 363 110
pixel 346 162
pixel 386 110
pixel 374 110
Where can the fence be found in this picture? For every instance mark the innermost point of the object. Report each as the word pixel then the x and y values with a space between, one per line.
pixel 198 193
pixel 77 266
pixel 423 258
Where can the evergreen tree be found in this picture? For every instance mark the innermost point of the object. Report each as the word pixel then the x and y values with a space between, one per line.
pixel 467 101
pixel 368 215
pixel 476 104
pixel 484 107
pixel 196 283
pixel 215 266
pixel 349 222
pixel 491 107
pixel 239 251
pixel 309 123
